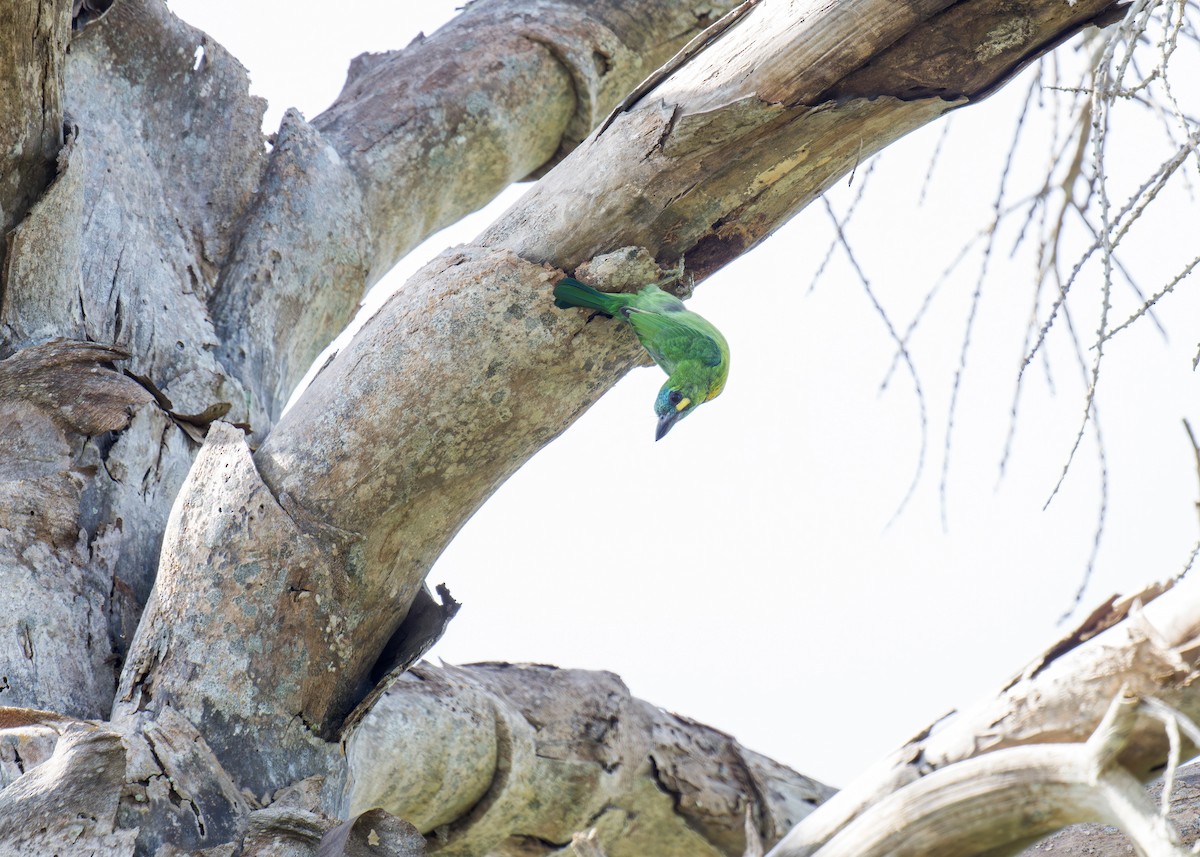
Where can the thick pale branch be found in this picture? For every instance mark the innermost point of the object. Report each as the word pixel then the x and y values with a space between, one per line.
pixel 469 370
pixel 1009 796
pixel 1013 796
pixel 417 139
pixel 485 757
pixel 1152 652
pixel 330 620
pixel 715 156
pixel 296 273
pixel 438 129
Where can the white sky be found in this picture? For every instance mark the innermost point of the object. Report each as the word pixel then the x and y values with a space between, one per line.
pixel 743 571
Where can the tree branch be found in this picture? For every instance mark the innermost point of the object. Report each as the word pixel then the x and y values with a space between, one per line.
pixel 417 139
pixel 469 370
pixel 1150 652
pixel 504 90
pixel 1012 796
pixel 492 755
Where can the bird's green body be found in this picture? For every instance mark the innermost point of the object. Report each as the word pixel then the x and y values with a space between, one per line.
pixel 691 351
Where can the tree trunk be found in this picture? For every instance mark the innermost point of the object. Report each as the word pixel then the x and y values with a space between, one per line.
pixel 274 572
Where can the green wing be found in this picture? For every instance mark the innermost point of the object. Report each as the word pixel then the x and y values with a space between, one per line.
pixel 673 337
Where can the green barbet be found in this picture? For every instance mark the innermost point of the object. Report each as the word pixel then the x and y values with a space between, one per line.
pixel 691 351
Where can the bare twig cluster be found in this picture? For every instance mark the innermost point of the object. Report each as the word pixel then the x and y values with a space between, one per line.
pixel 1073 224
pixel 1128 66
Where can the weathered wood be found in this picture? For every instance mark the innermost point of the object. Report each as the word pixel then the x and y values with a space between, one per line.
pixel 485 757
pixel 417 139
pixel 177 794
pixel 469 370
pixel 33 43
pixel 503 90
pixel 374 832
pixel 297 272
pixel 1148 653
pixel 130 240
pixel 166 198
pixel 286 573
pixel 247 621
pixel 166 157
pixel 1014 795
pixel 716 155
pixel 68 805
pixel 54 575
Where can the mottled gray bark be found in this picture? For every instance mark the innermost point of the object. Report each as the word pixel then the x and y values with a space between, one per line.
pixel 417 139
pixel 54 645
pixel 468 371
pixel 32 51
pixel 577 752
pixel 211 270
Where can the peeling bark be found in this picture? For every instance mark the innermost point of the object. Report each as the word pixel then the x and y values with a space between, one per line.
pixel 168 154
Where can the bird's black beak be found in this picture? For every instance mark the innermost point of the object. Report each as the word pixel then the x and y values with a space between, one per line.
pixel 664 424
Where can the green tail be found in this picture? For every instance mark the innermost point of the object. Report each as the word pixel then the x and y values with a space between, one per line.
pixel 570 292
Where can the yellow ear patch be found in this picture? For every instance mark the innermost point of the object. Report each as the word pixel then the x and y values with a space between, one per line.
pixel 683 403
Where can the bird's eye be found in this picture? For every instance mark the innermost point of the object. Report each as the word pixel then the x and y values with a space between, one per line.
pixel 674 397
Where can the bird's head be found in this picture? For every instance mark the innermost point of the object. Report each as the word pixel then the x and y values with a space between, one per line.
pixel 675 401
